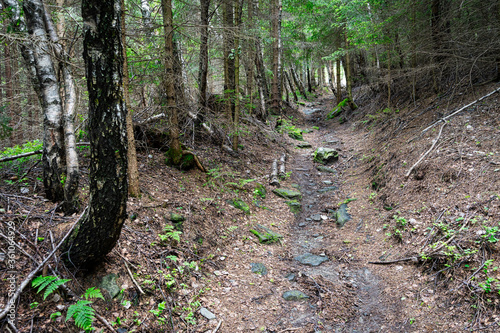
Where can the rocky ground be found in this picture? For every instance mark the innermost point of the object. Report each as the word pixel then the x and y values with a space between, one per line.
pixel 360 247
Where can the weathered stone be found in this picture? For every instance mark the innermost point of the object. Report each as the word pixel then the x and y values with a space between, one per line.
pixel 290 277
pixel 176 218
pixel 240 204
pixel 110 285
pixel 206 313
pixel 325 155
pixel 325 169
pixel 265 234
pixel 294 295
pixel 327 182
pixel 258 268
pixel 295 206
pixel 342 216
pixel 287 194
pixel 303 145
pixel 311 259
pixel 260 190
pixel 328 189
pixel 316 217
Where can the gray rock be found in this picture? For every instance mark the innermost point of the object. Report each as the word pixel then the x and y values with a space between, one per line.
pixel 325 155
pixel 294 295
pixel 303 145
pixel 302 224
pixel 327 182
pixel 328 189
pixel 290 277
pixel 109 283
pixel 310 111
pixel 316 217
pixel 342 216
pixel 207 314
pixel 311 259
pixel 265 234
pixel 287 194
pixel 326 169
pixel 258 268
pixel 295 206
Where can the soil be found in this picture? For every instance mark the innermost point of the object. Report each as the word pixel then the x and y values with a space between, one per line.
pixel 413 258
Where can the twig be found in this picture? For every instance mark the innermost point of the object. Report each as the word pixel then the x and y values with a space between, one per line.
pixel 290 329
pixel 15 157
pixel 427 152
pixel 132 277
pixel 218 325
pixel 392 261
pixel 34 272
pixel 105 322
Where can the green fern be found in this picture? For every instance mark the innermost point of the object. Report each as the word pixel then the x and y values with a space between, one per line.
pixel 83 314
pixel 49 283
pixel 93 293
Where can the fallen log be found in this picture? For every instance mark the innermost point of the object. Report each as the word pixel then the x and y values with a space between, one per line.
pixel 273 178
pixel 282 172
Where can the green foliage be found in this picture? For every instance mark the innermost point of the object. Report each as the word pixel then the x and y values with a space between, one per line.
pixel 19 165
pixel 336 111
pixel 49 283
pixel 170 234
pixel 82 312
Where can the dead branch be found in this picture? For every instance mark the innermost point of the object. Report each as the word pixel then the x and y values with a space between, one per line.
pixel 132 277
pixel 414 259
pixel 31 275
pixel 427 152
pixel 15 157
pixel 461 109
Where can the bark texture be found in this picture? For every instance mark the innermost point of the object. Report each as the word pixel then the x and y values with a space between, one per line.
pixel 203 67
pixel 276 35
pixel 98 231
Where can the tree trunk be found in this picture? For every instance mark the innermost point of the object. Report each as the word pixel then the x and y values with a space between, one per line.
pixel 276 46
pixel 203 67
pixel 99 230
pixel 180 79
pixel 133 171
pixel 146 17
pixel 309 83
pixel 292 88
pixel 348 75
pixel 53 157
pixel 229 89
pixel 339 82
pixel 261 71
pixel 9 91
pixel 251 53
pixel 330 78
pixel 298 83
pixel 236 116
pixel 175 151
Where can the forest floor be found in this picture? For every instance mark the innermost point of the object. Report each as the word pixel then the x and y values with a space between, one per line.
pixel 442 221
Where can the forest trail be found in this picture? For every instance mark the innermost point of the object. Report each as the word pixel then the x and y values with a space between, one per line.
pixel 343 293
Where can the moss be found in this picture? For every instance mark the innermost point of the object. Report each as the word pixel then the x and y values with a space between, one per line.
pixel 260 191
pixel 336 111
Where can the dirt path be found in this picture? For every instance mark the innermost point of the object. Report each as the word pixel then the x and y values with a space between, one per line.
pixel 344 293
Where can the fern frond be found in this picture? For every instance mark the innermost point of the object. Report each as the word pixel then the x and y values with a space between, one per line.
pixel 49 283
pixel 93 293
pixel 82 313
pixel 53 286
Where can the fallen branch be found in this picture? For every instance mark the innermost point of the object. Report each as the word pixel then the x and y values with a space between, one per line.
pixel 461 109
pixel 218 326
pixel 427 152
pixel 132 277
pixel 414 259
pixel 31 275
pixel 15 157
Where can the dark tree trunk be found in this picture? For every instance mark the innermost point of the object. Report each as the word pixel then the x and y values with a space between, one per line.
pixel 298 83
pixel 292 88
pixel 276 46
pixel 100 228
pixel 203 68
pixel 309 83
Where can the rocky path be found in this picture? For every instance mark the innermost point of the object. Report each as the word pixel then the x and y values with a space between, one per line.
pixel 315 282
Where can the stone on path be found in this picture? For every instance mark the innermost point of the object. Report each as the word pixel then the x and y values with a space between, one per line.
pixel 328 189
pixel 311 259
pixel 295 206
pixel 109 283
pixel 265 234
pixel 325 155
pixel 327 182
pixel 342 216
pixel 326 169
pixel 258 268
pixel 206 313
pixel 303 145
pixel 287 194
pixel 294 295
pixel 316 217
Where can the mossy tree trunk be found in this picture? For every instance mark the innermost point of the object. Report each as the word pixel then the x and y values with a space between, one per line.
pixel 99 230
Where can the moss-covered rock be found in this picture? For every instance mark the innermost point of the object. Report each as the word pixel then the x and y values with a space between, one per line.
pixel 325 155
pixel 265 235
pixel 287 194
pixel 336 111
pixel 260 190
pixel 295 133
pixel 294 295
pixel 295 206
pixel 342 216
pixel 240 204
